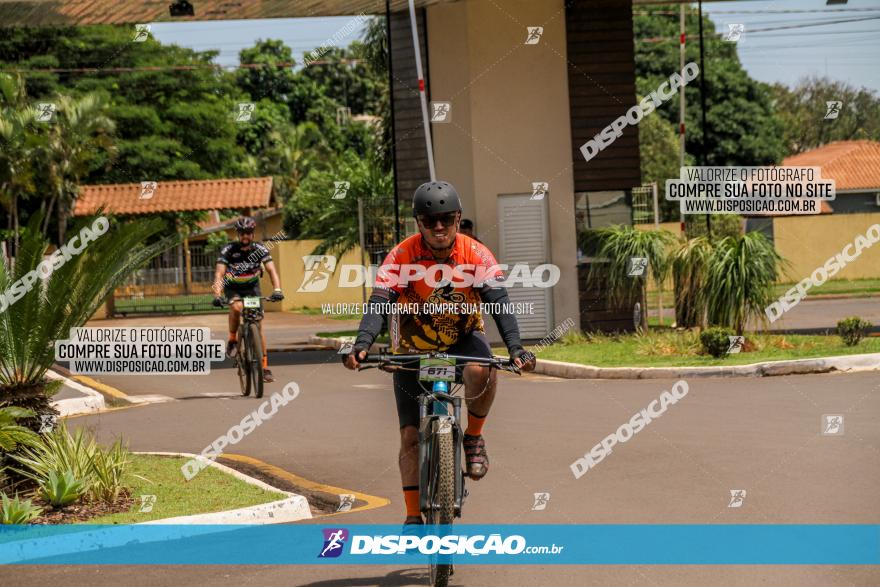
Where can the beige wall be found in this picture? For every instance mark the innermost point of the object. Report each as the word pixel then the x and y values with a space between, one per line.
pixel 510 118
pixel 288 257
pixel 808 241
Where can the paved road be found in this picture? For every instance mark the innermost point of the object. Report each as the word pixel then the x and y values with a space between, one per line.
pixel 761 435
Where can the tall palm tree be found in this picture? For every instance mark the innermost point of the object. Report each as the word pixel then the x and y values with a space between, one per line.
pixel 619 244
pixel 79 129
pixel 18 146
pixel 66 299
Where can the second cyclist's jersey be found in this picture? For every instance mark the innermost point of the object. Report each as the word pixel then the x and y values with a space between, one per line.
pixel 244 266
pixel 418 331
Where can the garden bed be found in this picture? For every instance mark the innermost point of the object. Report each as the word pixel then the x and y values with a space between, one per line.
pixel 671 348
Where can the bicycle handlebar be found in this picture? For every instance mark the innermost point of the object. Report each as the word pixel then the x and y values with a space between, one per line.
pixel 227 302
pixel 383 358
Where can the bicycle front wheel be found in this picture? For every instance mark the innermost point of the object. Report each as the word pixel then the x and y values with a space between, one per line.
pixel 242 366
pixel 441 496
pixel 256 359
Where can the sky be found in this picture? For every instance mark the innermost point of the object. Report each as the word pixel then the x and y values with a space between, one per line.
pixel 848 51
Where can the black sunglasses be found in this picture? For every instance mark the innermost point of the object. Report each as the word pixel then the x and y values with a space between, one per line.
pixel 430 220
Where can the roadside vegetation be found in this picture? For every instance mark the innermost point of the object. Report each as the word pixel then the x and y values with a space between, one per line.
pixel 672 348
pixel 63 477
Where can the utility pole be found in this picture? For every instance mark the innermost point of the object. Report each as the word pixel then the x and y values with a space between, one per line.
pixel 681 100
pixel 703 106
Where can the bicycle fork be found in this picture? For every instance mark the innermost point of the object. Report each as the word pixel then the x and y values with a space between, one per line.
pixel 434 418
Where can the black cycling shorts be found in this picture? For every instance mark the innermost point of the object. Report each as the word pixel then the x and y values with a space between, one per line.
pixel 408 388
pixel 245 290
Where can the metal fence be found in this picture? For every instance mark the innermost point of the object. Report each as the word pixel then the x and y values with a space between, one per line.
pixel 162 287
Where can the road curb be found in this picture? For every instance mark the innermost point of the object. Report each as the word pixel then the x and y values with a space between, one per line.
pixel 92 403
pixel 336 343
pixel 844 363
pixel 293 508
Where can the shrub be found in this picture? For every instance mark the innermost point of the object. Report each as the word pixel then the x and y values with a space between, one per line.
pixel 62 489
pixel 852 329
pixel 100 470
pixel 17 511
pixel 715 341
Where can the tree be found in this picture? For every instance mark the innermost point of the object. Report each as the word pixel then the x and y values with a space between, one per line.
pixel 620 244
pixel 79 129
pixel 19 146
pixel 802 111
pixel 66 299
pixel 742 126
pixel 313 213
pixel 659 147
pixel 740 276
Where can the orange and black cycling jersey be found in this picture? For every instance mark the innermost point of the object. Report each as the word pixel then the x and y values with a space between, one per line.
pixel 419 331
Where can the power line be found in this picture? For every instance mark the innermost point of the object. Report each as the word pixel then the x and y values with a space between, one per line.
pixel 205 66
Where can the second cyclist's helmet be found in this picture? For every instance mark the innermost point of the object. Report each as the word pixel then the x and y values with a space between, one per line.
pixel 245 224
pixel 435 197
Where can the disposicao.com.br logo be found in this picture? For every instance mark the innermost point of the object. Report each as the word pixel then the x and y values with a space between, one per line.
pixel 429 544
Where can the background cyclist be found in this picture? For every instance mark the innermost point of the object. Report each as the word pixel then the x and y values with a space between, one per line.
pixel 437 207
pixel 238 272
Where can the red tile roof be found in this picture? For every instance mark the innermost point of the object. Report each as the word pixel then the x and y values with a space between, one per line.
pixel 852 165
pixel 175 196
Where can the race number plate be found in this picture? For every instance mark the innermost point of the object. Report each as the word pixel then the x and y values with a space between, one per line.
pixel 435 369
pixel 251 302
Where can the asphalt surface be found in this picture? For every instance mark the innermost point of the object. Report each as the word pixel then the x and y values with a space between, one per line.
pixel 761 435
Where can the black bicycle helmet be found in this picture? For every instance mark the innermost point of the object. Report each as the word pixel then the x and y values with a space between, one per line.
pixel 435 197
pixel 245 224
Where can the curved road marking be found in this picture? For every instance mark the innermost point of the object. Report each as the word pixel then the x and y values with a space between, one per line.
pixel 372 501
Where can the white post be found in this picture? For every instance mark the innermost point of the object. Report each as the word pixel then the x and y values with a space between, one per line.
pixel 426 121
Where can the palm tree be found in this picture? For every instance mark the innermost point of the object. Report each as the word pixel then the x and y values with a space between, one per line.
pixel 739 280
pixel 66 299
pixel 690 261
pixel 79 129
pixel 335 221
pixel 19 146
pixel 620 244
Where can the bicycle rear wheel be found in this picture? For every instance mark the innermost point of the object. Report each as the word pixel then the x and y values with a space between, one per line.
pixel 441 496
pixel 256 359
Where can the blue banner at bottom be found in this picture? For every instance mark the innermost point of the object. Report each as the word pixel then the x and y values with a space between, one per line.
pixel 309 544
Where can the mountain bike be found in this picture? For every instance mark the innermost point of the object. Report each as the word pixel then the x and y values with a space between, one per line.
pixel 441 477
pixel 248 360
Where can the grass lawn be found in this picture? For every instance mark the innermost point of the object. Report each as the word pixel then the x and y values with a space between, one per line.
pixel 209 491
pixel 192 304
pixel 856 287
pixel 668 348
